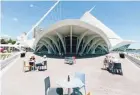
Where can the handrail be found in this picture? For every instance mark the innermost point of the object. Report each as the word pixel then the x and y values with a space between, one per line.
pixel 7 61
pixel 133 59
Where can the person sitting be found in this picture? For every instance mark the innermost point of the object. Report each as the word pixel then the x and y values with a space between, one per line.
pixel 115 60
pixel 44 58
pixel 33 58
pixel 31 63
pixel 45 61
pixel 110 63
pixel 41 63
pixel 110 59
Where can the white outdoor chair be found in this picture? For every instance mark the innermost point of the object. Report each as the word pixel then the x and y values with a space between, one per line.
pixel 47 85
pixel 25 66
pixel 81 76
pixel 51 91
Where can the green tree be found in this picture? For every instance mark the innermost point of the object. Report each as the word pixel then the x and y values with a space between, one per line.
pixel 2 41
pixel 10 41
pixel 13 42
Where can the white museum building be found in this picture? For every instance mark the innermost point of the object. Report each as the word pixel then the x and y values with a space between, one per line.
pixel 84 36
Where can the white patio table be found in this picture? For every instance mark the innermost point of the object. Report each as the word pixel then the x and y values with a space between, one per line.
pixel 73 83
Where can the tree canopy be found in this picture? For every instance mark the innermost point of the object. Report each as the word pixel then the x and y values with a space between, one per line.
pixel 3 41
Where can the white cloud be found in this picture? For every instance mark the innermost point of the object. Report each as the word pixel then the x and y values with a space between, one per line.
pixel 31 5
pixel 15 19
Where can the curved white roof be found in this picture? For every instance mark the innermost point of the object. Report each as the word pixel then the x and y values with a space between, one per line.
pixel 73 22
pixel 89 22
pixel 90 19
pixel 113 37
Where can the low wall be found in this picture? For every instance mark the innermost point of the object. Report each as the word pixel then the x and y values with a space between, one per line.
pixel 7 61
pixel 133 59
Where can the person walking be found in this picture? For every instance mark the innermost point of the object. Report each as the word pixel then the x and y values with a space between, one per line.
pixel 105 62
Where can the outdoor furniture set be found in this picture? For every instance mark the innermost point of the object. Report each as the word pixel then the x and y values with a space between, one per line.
pixel 113 65
pixel 69 60
pixel 115 68
pixel 35 65
pixel 76 83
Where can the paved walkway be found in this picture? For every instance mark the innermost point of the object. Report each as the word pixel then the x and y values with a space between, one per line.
pixel 99 82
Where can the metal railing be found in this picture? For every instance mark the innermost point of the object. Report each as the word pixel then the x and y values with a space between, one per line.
pixel 7 61
pixel 133 59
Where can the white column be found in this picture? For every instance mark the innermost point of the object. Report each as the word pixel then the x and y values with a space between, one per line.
pixel 71 39
pixel 62 39
pixel 64 44
pixel 80 39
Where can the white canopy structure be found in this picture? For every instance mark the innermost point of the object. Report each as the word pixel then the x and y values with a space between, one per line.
pixel 86 35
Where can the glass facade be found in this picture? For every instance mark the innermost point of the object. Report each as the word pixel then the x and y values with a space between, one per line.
pixel 71 44
pixel 122 48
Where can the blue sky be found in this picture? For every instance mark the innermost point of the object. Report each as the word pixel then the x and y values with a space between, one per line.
pixel 122 17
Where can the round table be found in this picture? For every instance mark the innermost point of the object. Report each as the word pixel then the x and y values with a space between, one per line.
pixel 73 83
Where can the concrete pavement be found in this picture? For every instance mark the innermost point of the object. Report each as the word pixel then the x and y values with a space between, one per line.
pixel 98 81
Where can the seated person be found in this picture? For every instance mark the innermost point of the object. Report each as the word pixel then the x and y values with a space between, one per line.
pixel 41 63
pixel 45 62
pixel 110 63
pixel 33 58
pixel 31 62
pixel 45 58
pixel 115 60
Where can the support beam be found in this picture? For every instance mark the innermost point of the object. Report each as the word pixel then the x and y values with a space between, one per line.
pixel 62 41
pixel 92 44
pixel 71 39
pixel 48 42
pixel 91 9
pixel 88 41
pixel 42 18
pixel 53 40
pixel 43 45
pixel 38 47
pixel 104 48
pixel 80 39
pixel 100 42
